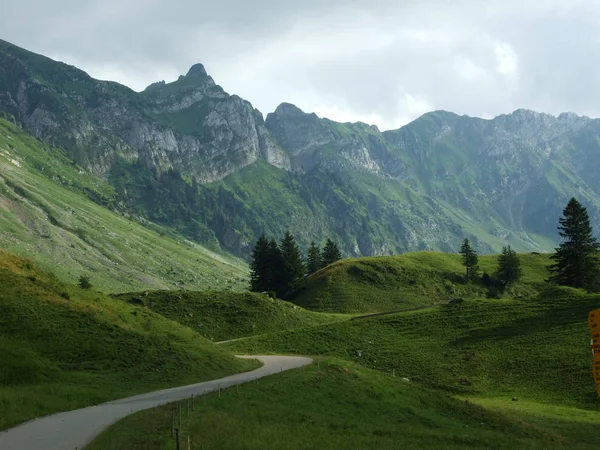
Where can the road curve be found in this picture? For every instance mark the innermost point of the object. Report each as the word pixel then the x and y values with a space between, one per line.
pixel 75 429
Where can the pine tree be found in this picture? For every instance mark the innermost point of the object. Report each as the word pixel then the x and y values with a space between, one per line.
pixel 314 259
pixel 259 267
pixel 275 265
pixel 293 269
pixel 576 262
pixel 84 282
pixel 331 253
pixel 509 267
pixel 469 260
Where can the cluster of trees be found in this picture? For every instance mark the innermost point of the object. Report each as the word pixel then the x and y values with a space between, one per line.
pixel 508 270
pixel 280 267
pixel 576 262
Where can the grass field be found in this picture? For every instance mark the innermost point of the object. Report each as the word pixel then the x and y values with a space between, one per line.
pixel 413 279
pixel 221 316
pixel 343 405
pixel 533 348
pixel 46 215
pixel 63 348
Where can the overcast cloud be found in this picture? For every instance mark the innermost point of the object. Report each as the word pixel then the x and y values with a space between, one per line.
pixel 377 61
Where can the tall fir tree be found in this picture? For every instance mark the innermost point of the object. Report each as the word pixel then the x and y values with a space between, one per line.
pixel 293 269
pixel 509 267
pixel 576 262
pixel 470 260
pixel 331 253
pixel 275 272
pixel 314 261
pixel 260 266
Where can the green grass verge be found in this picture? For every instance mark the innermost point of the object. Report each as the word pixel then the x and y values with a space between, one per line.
pixel 535 348
pixel 342 405
pixel 63 348
pixel 410 280
pixel 46 215
pixel 221 316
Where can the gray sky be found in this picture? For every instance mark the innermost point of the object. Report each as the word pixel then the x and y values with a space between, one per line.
pixel 378 61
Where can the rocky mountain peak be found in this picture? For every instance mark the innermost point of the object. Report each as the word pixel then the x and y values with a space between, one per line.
pixel 197 71
pixel 288 110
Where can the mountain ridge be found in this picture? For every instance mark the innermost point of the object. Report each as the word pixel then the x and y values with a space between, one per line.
pixel 188 155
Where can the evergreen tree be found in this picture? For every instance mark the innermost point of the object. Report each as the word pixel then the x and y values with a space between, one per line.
pixel 509 267
pixel 576 262
pixel 293 269
pixel 259 267
pixel 275 264
pixel 469 260
pixel 84 282
pixel 331 253
pixel 314 259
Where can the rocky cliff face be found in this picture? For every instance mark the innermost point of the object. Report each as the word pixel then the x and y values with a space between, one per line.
pixel 191 125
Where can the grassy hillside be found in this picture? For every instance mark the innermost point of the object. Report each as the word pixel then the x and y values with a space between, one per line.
pixel 535 348
pixel 343 405
pixel 405 281
pixel 221 316
pixel 46 214
pixel 63 348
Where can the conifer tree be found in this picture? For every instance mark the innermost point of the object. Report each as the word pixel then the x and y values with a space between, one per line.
pixel 331 253
pixel 469 260
pixel 259 267
pixel 576 262
pixel 509 267
pixel 293 269
pixel 275 264
pixel 313 258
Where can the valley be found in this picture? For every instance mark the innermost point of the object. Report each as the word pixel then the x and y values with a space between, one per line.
pixel 128 223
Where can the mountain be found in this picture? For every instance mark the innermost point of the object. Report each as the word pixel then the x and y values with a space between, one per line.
pixel 46 214
pixel 189 156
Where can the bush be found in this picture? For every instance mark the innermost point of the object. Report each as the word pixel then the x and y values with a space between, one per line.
pixel 84 282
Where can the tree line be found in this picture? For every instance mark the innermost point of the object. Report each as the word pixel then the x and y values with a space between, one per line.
pixel 576 262
pixel 280 268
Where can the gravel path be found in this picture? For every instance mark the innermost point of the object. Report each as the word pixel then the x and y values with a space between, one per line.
pixel 75 429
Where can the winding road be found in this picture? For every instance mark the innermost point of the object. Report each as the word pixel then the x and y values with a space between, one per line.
pixel 75 429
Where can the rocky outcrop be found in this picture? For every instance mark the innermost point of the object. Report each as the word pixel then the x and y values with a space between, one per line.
pixel 191 125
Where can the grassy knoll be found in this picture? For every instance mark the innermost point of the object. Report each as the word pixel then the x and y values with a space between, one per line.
pixel 339 405
pixel 221 316
pixel 62 348
pixel 534 348
pixel 413 279
pixel 46 215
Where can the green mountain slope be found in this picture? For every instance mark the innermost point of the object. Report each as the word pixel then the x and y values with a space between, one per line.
pixel 189 156
pixel 62 348
pixel 387 283
pixel 46 214
pixel 221 316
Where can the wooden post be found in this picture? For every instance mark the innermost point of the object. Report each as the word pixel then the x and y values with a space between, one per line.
pixel 189 443
pixel 172 423
pixel 178 441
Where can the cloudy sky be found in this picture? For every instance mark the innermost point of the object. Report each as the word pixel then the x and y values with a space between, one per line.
pixel 377 61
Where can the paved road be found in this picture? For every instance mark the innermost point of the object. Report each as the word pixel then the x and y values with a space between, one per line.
pixel 75 429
